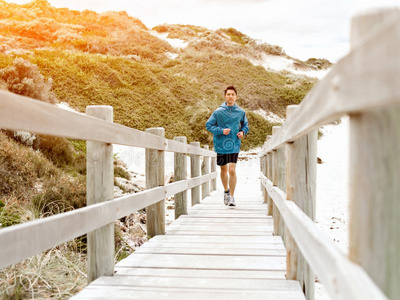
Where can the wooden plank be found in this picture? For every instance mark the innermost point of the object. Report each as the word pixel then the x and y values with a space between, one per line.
pixel 221 284
pixel 219 233
pixel 228 210
pixel 270 204
pixel 213 169
pixel 216 221
pixel 215 245
pixel 301 168
pixel 205 262
pixel 195 172
pixel 345 280
pixel 243 201
pixel 180 173
pixel 100 188
pixel 205 169
pixel 368 86
pixel 206 227
pixel 27 114
pixel 220 206
pixel 375 176
pixel 183 273
pixel 210 251
pixel 243 223
pixel 155 177
pixel 24 240
pixel 226 239
pixel 229 216
pixel 113 292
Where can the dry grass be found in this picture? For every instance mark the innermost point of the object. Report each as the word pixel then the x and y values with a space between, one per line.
pixel 58 273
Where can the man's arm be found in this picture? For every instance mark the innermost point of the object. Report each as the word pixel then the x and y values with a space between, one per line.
pixel 245 124
pixel 212 125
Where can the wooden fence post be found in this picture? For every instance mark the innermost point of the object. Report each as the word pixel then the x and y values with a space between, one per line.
pixel 375 176
pixel 269 175
pixel 213 169
pixel 264 168
pixel 99 188
pixel 195 172
pixel 262 171
pixel 279 180
pixel 205 169
pixel 180 173
pixel 301 166
pixel 155 176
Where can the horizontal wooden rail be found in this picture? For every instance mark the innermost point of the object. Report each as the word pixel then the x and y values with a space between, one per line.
pixel 26 114
pixel 342 278
pixel 21 241
pixel 352 86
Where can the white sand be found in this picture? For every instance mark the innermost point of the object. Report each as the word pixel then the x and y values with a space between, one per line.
pixel 176 43
pixel 279 63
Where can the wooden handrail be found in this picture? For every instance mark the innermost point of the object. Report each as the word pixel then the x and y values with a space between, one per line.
pixel 349 87
pixel 26 114
pixel 24 240
pixel 363 85
pixel 342 278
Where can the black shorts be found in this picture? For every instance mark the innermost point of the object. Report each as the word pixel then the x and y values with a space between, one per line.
pixel 223 159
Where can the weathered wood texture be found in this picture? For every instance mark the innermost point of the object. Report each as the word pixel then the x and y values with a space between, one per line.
pixel 24 240
pixel 269 175
pixel 205 169
pixel 353 85
pixel 23 113
pixel 155 176
pixel 217 262
pixel 301 178
pixel 100 188
pixel 375 174
pixel 194 172
pixel 342 278
pixel 213 169
pixel 279 179
pixel 262 170
pixel 180 173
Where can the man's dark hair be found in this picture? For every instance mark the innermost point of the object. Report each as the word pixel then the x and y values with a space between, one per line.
pixel 231 87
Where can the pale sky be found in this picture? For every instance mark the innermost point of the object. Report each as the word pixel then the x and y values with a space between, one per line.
pixel 304 28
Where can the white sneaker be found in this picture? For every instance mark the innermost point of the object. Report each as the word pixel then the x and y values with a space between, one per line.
pixel 226 198
pixel 231 201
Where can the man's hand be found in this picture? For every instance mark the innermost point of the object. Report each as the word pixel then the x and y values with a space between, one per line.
pixel 226 131
pixel 240 134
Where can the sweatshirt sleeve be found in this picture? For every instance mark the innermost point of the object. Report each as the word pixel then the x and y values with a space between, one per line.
pixel 245 124
pixel 212 125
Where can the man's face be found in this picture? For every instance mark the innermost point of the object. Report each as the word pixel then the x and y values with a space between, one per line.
pixel 230 97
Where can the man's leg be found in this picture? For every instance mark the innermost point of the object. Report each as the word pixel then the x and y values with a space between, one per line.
pixel 224 176
pixel 232 178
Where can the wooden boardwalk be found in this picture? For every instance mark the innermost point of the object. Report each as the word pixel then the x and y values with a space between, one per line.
pixel 214 252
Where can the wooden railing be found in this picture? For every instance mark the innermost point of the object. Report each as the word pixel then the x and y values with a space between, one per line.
pixel 365 86
pixel 97 218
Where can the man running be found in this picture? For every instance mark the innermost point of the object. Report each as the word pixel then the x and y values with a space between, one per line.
pixel 228 124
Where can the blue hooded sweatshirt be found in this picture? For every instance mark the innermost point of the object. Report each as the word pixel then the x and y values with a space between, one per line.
pixel 232 117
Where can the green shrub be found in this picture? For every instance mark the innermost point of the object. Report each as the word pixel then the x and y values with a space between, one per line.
pixel 60 194
pixel 21 168
pixel 24 78
pixel 58 150
pixel 121 172
pixel 9 214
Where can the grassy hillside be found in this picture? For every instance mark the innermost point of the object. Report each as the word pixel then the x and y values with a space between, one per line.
pixel 178 95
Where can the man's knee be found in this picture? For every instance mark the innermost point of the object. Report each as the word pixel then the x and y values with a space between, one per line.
pixel 232 171
pixel 224 170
